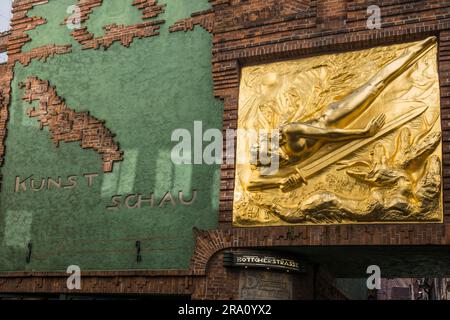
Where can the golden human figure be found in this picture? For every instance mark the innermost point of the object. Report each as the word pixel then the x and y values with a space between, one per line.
pixel 299 140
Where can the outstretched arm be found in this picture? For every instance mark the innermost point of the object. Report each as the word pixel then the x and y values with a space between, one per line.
pixel 299 130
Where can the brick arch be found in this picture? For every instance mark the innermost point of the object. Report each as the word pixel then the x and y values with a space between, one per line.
pixel 113 32
pixel 205 247
pixel 210 242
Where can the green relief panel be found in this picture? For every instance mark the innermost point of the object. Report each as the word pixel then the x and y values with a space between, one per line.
pixel 143 93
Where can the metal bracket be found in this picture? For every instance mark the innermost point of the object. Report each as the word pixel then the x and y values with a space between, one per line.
pixel 30 248
pixel 138 251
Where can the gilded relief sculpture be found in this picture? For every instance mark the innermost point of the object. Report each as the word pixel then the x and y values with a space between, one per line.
pixel 359 139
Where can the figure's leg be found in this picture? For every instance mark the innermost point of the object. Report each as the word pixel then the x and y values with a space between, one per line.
pixel 355 103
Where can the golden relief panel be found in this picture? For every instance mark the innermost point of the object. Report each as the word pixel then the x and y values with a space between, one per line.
pixel 341 138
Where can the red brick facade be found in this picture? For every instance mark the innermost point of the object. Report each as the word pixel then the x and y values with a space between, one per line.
pixel 250 32
pixel 67 125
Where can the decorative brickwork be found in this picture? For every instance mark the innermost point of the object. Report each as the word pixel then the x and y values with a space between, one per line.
pixel 68 125
pixel 6 76
pixel 113 32
pixel 18 37
pixel 124 34
pixel 86 7
pixel 133 282
pixel 4 38
pixel 150 8
pixel 43 53
pixel 205 19
pixel 244 13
